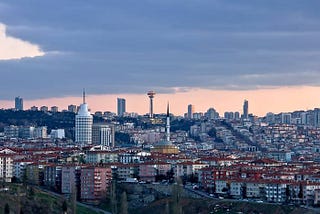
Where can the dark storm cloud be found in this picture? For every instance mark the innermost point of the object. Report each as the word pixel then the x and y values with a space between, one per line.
pixel 168 46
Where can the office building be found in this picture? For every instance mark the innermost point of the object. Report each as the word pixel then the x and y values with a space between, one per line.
pixel 103 134
pixel 84 120
pixel 121 106
pixel 191 110
pixel 245 109
pixel 18 104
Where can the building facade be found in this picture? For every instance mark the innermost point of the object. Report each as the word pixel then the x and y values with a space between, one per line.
pixel 121 106
pixel 103 134
pixel 18 103
pixel 83 129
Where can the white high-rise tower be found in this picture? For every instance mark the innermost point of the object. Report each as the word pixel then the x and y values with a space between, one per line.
pixel 84 121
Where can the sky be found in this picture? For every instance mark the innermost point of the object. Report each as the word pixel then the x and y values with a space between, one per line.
pixel 210 53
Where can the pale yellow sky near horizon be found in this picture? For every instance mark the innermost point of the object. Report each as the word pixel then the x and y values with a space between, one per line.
pixel 284 99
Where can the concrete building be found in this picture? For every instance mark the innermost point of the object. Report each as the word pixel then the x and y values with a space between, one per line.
pixel 95 182
pixel 54 109
pixel 18 104
pixel 103 134
pixel 57 134
pixel 70 180
pixel 44 108
pixel 101 156
pixel 40 132
pixel 34 108
pixel 212 114
pixel 52 177
pixel 72 108
pixel 6 165
pixel 286 118
pixel 121 106
pixel 11 131
pixel 26 132
pixel 84 120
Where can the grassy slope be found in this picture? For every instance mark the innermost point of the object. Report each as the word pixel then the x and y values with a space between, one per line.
pixel 39 202
pixel 201 206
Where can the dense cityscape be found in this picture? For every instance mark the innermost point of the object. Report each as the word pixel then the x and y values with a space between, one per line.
pixel 237 156
pixel 161 107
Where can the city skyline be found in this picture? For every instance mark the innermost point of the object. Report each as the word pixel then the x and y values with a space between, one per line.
pixel 259 101
pixel 199 57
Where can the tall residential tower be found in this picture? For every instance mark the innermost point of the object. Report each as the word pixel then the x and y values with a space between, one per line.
pixel 84 121
pixel 190 111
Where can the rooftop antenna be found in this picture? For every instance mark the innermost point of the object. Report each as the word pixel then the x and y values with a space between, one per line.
pixel 84 96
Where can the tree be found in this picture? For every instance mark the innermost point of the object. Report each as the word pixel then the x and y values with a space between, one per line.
pixel 31 192
pixel 113 196
pixel 167 208
pixel 300 194
pixel 176 196
pixel 73 199
pixel 170 175
pixel 6 209
pixel 124 203
pixel 244 191
pixel 64 206
pixel 288 194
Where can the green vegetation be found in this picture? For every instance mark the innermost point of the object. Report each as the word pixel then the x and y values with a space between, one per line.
pixel 84 210
pixel 203 206
pixel 26 199
pixel 182 124
pixel 122 138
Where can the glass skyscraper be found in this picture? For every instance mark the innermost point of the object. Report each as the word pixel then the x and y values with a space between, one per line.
pixel 18 103
pixel 121 106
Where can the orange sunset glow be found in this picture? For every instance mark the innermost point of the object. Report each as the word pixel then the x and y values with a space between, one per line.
pixel 260 101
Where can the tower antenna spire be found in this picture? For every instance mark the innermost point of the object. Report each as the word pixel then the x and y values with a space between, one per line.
pixel 84 95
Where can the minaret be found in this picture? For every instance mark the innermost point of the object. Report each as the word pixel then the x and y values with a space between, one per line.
pixel 168 124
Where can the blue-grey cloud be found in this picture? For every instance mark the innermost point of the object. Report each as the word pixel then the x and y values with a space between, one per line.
pixel 169 45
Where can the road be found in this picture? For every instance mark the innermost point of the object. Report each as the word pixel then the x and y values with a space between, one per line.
pixel 205 195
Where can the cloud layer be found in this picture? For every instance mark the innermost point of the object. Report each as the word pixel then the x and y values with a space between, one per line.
pixel 112 47
pixel 14 48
